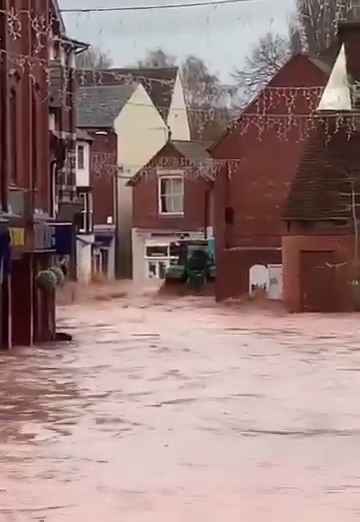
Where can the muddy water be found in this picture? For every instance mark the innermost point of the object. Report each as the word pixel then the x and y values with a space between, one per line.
pixel 163 411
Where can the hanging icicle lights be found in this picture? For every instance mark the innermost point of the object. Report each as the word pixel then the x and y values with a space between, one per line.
pixel 274 108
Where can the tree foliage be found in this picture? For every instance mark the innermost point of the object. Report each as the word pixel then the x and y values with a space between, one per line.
pixel 202 89
pixel 157 58
pixel 93 58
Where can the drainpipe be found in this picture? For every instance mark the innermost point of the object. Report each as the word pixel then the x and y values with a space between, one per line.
pixel 117 177
pixel 206 213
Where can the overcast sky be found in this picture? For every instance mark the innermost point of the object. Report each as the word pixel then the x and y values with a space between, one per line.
pixel 221 35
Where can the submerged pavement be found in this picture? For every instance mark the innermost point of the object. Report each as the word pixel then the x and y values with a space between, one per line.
pixel 183 410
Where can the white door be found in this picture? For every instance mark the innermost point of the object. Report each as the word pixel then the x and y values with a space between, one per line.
pixel 275 282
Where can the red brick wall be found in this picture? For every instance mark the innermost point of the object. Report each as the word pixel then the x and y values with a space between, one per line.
pixel 31 118
pixel 146 205
pixel 102 174
pixel 257 186
pixel 233 266
pixel 342 249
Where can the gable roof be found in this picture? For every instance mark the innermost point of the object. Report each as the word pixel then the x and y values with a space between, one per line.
pixel 98 106
pixel 336 95
pixel 159 82
pixel 82 135
pixel 345 71
pixel 321 188
pixel 192 151
pixel 282 79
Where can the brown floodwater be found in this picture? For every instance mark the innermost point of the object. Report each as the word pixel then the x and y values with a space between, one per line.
pixel 183 410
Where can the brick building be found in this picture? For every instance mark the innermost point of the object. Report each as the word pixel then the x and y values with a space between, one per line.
pixel 29 157
pixel 262 161
pixel 172 200
pixel 142 107
pixel 320 246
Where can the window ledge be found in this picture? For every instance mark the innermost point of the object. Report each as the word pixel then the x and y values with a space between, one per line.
pixel 171 214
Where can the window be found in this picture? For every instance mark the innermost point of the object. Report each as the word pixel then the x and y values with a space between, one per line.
pixel 157 251
pixel 81 157
pixel 171 194
pixel 158 258
pixel 52 121
pixel 156 269
pixel 86 221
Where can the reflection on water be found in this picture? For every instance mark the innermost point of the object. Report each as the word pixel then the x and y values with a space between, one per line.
pixel 182 411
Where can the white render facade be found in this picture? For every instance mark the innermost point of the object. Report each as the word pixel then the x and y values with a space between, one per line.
pixel 152 253
pixel 85 236
pixel 142 132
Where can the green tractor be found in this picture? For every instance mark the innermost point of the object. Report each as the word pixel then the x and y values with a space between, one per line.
pixel 195 264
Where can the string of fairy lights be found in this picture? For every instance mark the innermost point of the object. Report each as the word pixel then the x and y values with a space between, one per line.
pixel 290 111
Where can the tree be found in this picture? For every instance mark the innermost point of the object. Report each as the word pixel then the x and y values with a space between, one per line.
pixel 93 58
pixel 202 89
pixel 264 61
pixel 157 58
pixel 204 94
pixel 318 20
pixel 296 36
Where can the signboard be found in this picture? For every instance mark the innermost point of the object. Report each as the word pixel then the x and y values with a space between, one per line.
pixel 17 237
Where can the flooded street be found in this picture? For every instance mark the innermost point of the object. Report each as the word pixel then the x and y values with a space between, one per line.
pixel 183 410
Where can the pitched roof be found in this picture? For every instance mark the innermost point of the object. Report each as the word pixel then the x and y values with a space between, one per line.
pixel 159 82
pixel 192 150
pixel 345 71
pixel 98 106
pixel 82 135
pixel 290 75
pixel 322 185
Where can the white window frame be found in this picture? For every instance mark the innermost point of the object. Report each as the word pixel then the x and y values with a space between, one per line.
pixel 170 174
pixel 86 211
pixel 157 259
pixel 52 121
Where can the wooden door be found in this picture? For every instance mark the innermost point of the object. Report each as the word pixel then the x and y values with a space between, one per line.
pixel 317 281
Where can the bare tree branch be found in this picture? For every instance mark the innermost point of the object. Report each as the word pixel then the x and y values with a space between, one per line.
pixel 265 60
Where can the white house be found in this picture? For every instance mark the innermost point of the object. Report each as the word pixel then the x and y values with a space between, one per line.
pixel 142 115
pixel 85 229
